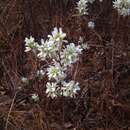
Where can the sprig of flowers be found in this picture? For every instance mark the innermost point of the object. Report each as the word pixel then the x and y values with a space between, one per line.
pixel 56 72
pixel 57 35
pixel 82 7
pixel 70 54
pixel 122 6
pixel 61 55
pixel 30 44
pixel 51 89
pixel 70 88
pixel 47 49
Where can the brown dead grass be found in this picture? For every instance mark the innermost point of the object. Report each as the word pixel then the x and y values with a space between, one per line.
pixel 103 71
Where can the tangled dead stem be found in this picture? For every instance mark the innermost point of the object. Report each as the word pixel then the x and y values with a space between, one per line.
pixel 103 71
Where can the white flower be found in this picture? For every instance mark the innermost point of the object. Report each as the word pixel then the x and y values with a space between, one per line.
pixel 55 72
pixel 70 88
pixel 24 80
pixel 47 49
pixel 122 6
pixel 51 89
pixel 35 97
pixel 70 54
pixel 43 50
pixel 30 44
pixel 57 35
pixel 91 24
pixel 40 73
pixel 29 40
pixel 82 7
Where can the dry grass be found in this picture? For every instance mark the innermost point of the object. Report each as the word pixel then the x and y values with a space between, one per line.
pixel 103 71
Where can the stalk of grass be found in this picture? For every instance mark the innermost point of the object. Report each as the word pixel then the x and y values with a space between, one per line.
pixel 65 2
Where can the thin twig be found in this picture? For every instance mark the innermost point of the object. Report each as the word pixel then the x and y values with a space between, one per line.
pixel 7 120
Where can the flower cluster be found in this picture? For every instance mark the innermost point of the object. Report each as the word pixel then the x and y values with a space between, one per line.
pixel 70 54
pixel 69 88
pixel 51 89
pixel 82 6
pixel 61 55
pixel 56 72
pixel 30 44
pixel 122 6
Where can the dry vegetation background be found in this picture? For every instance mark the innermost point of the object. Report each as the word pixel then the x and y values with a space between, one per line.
pixel 103 71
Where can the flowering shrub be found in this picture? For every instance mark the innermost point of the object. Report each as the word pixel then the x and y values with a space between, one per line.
pixel 62 55
pixel 122 6
pixel 38 92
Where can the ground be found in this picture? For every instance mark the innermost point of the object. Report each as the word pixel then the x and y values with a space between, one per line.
pixel 103 71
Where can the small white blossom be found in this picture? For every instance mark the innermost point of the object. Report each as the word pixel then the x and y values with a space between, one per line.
pixel 55 72
pixel 51 89
pixel 30 44
pixel 35 97
pixel 70 88
pixel 24 80
pixel 40 73
pixel 57 35
pixel 91 24
pixel 122 6
pixel 82 7
pixel 46 49
pixel 70 54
